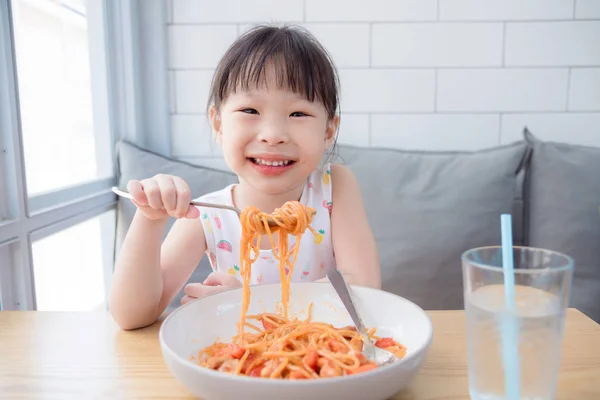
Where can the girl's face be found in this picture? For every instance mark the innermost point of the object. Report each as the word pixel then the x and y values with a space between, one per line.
pixel 272 138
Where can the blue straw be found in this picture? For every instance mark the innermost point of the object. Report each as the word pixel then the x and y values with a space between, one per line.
pixel 510 331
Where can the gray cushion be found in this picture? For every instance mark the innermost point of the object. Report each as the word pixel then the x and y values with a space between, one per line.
pixel 427 208
pixel 135 163
pixel 563 186
pixel 518 210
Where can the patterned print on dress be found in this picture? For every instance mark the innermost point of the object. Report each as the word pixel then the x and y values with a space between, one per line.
pixel 233 270
pixel 224 245
pixel 319 236
pixel 328 205
pixel 207 223
pixel 326 177
pixel 305 271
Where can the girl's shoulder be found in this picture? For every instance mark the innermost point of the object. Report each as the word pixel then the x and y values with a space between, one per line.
pixel 321 176
pixel 324 175
pixel 321 180
pixel 320 188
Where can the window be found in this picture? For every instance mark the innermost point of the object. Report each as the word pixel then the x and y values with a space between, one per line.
pixel 61 145
pixel 56 158
pixel 75 76
pixel 12 275
pixel 69 267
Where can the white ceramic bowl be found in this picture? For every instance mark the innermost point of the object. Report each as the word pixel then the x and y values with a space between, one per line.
pixel 199 323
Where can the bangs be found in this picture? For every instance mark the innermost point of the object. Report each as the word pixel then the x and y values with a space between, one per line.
pixel 295 58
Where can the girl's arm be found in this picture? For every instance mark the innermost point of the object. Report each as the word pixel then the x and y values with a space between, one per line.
pixel 353 242
pixel 147 274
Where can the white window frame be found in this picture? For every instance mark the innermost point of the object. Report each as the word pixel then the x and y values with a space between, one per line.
pixel 130 86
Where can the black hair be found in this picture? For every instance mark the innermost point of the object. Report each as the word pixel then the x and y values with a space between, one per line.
pixel 300 62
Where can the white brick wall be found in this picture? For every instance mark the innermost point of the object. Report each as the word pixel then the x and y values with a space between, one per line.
pixel 387 90
pixel 191 90
pixel 415 74
pixel 236 11
pixel 448 131
pixel 505 10
pixel 502 90
pixel 351 52
pixel 553 43
pixel 587 9
pixel 437 44
pixel 199 46
pixel 192 136
pixel 370 11
pixel 584 90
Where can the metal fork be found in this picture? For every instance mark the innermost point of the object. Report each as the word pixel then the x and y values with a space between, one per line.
pixel 127 195
pixel 377 355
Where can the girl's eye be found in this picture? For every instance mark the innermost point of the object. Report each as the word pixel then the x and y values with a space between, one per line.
pixel 298 114
pixel 249 111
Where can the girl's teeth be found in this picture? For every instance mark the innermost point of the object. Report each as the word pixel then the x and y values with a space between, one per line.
pixel 271 163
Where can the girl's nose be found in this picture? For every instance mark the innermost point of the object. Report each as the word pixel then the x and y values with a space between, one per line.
pixel 272 141
pixel 273 134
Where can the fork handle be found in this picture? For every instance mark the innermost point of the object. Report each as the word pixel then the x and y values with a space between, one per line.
pixel 127 195
pixel 342 289
pixel 214 205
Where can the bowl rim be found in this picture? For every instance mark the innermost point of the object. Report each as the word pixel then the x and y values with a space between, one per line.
pixel 296 382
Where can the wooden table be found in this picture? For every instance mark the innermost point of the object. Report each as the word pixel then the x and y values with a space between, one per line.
pixel 57 355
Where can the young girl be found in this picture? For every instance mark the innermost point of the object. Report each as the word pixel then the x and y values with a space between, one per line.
pixel 273 109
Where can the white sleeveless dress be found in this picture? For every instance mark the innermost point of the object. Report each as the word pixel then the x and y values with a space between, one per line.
pixel 222 230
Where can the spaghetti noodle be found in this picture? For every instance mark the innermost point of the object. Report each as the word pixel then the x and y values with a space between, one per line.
pixel 283 347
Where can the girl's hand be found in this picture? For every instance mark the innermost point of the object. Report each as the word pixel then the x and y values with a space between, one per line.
pixel 216 282
pixel 163 196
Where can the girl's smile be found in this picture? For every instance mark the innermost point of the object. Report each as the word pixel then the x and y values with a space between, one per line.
pixel 271 165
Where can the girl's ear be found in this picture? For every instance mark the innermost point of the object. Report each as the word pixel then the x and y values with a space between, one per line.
pixel 332 127
pixel 215 123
